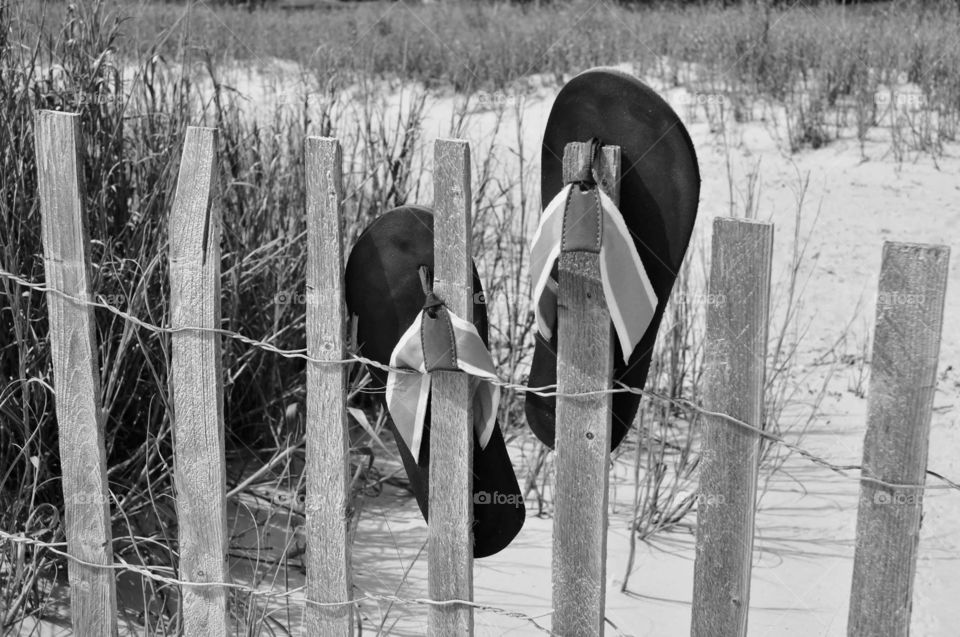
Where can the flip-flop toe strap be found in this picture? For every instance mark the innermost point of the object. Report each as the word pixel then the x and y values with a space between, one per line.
pixel 583 218
pixel 439 341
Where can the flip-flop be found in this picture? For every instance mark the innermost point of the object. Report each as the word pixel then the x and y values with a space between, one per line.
pixel 659 193
pixel 385 292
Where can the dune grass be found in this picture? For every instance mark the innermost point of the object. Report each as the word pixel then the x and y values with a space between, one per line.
pixel 839 70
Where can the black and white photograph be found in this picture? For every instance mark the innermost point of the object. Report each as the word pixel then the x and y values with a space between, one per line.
pixel 339 318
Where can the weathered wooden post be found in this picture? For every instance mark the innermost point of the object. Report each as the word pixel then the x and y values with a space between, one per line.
pixel 76 376
pixel 196 380
pixel 903 377
pixel 735 360
pixel 450 539
pixel 584 364
pixel 327 468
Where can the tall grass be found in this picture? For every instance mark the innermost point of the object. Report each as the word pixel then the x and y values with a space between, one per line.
pixel 132 132
pixel 134 107
pixel 837 70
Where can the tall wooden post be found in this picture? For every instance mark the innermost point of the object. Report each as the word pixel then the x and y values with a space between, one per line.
pixel 735 361
pixel 76 376
pixel 328 445
pixel 903 377
pixel 584 363
pixel 196 380
pixel 450 539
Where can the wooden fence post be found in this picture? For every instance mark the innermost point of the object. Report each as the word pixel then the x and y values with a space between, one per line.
pixel 584 363
pixel 196 382
pixel 450 535
pixel 735 361
pixel 903 377
pixel 328 448
pixel 76 375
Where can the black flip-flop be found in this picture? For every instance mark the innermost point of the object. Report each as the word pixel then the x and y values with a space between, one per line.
pixel 659 193
pixel 385 292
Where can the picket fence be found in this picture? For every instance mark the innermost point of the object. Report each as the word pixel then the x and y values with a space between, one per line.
pixel 903 377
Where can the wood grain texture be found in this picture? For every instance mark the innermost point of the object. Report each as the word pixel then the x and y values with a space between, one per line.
pixel 584 363
pixel 735 360
pixel 73 349
pixel 903 377
pixel 197 386
pixel 577 165
pixel 327 441
pixel 450 538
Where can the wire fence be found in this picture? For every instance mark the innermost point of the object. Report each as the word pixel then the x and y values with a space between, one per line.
pixel 297 593
pixel 547 391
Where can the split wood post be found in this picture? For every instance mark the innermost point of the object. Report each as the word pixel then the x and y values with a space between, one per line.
pixel 735 362
pixel 196 381
pixel 584 364
pixel 903 377
pixel 76 375
pixel 450 535
pixel 327 468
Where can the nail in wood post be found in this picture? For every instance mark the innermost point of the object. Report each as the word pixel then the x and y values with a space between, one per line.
pixel 328 553
pixel 450 538
pixel 903 377
pixel 736 347
pixel 93 595
pixel 584 363
pixel 196 381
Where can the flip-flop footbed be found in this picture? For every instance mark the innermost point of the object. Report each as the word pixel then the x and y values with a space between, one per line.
pixel 384 292
pixel 659 193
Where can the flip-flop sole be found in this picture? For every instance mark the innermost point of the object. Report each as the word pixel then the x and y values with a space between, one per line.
pixel 383 290
pixel 659 193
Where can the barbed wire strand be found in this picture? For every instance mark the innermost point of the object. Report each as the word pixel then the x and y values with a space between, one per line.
pixel 54 547
pixel 545 391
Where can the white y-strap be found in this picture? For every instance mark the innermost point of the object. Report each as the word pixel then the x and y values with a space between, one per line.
pixel 408 393
pixel 626 287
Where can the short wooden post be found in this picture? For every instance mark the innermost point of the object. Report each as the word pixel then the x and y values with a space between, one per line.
pixel 903 377
pixel 736 347
pixel 327 459
pixel 584 363
pixel 196 381
pixel 450 536
pixel 73 349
